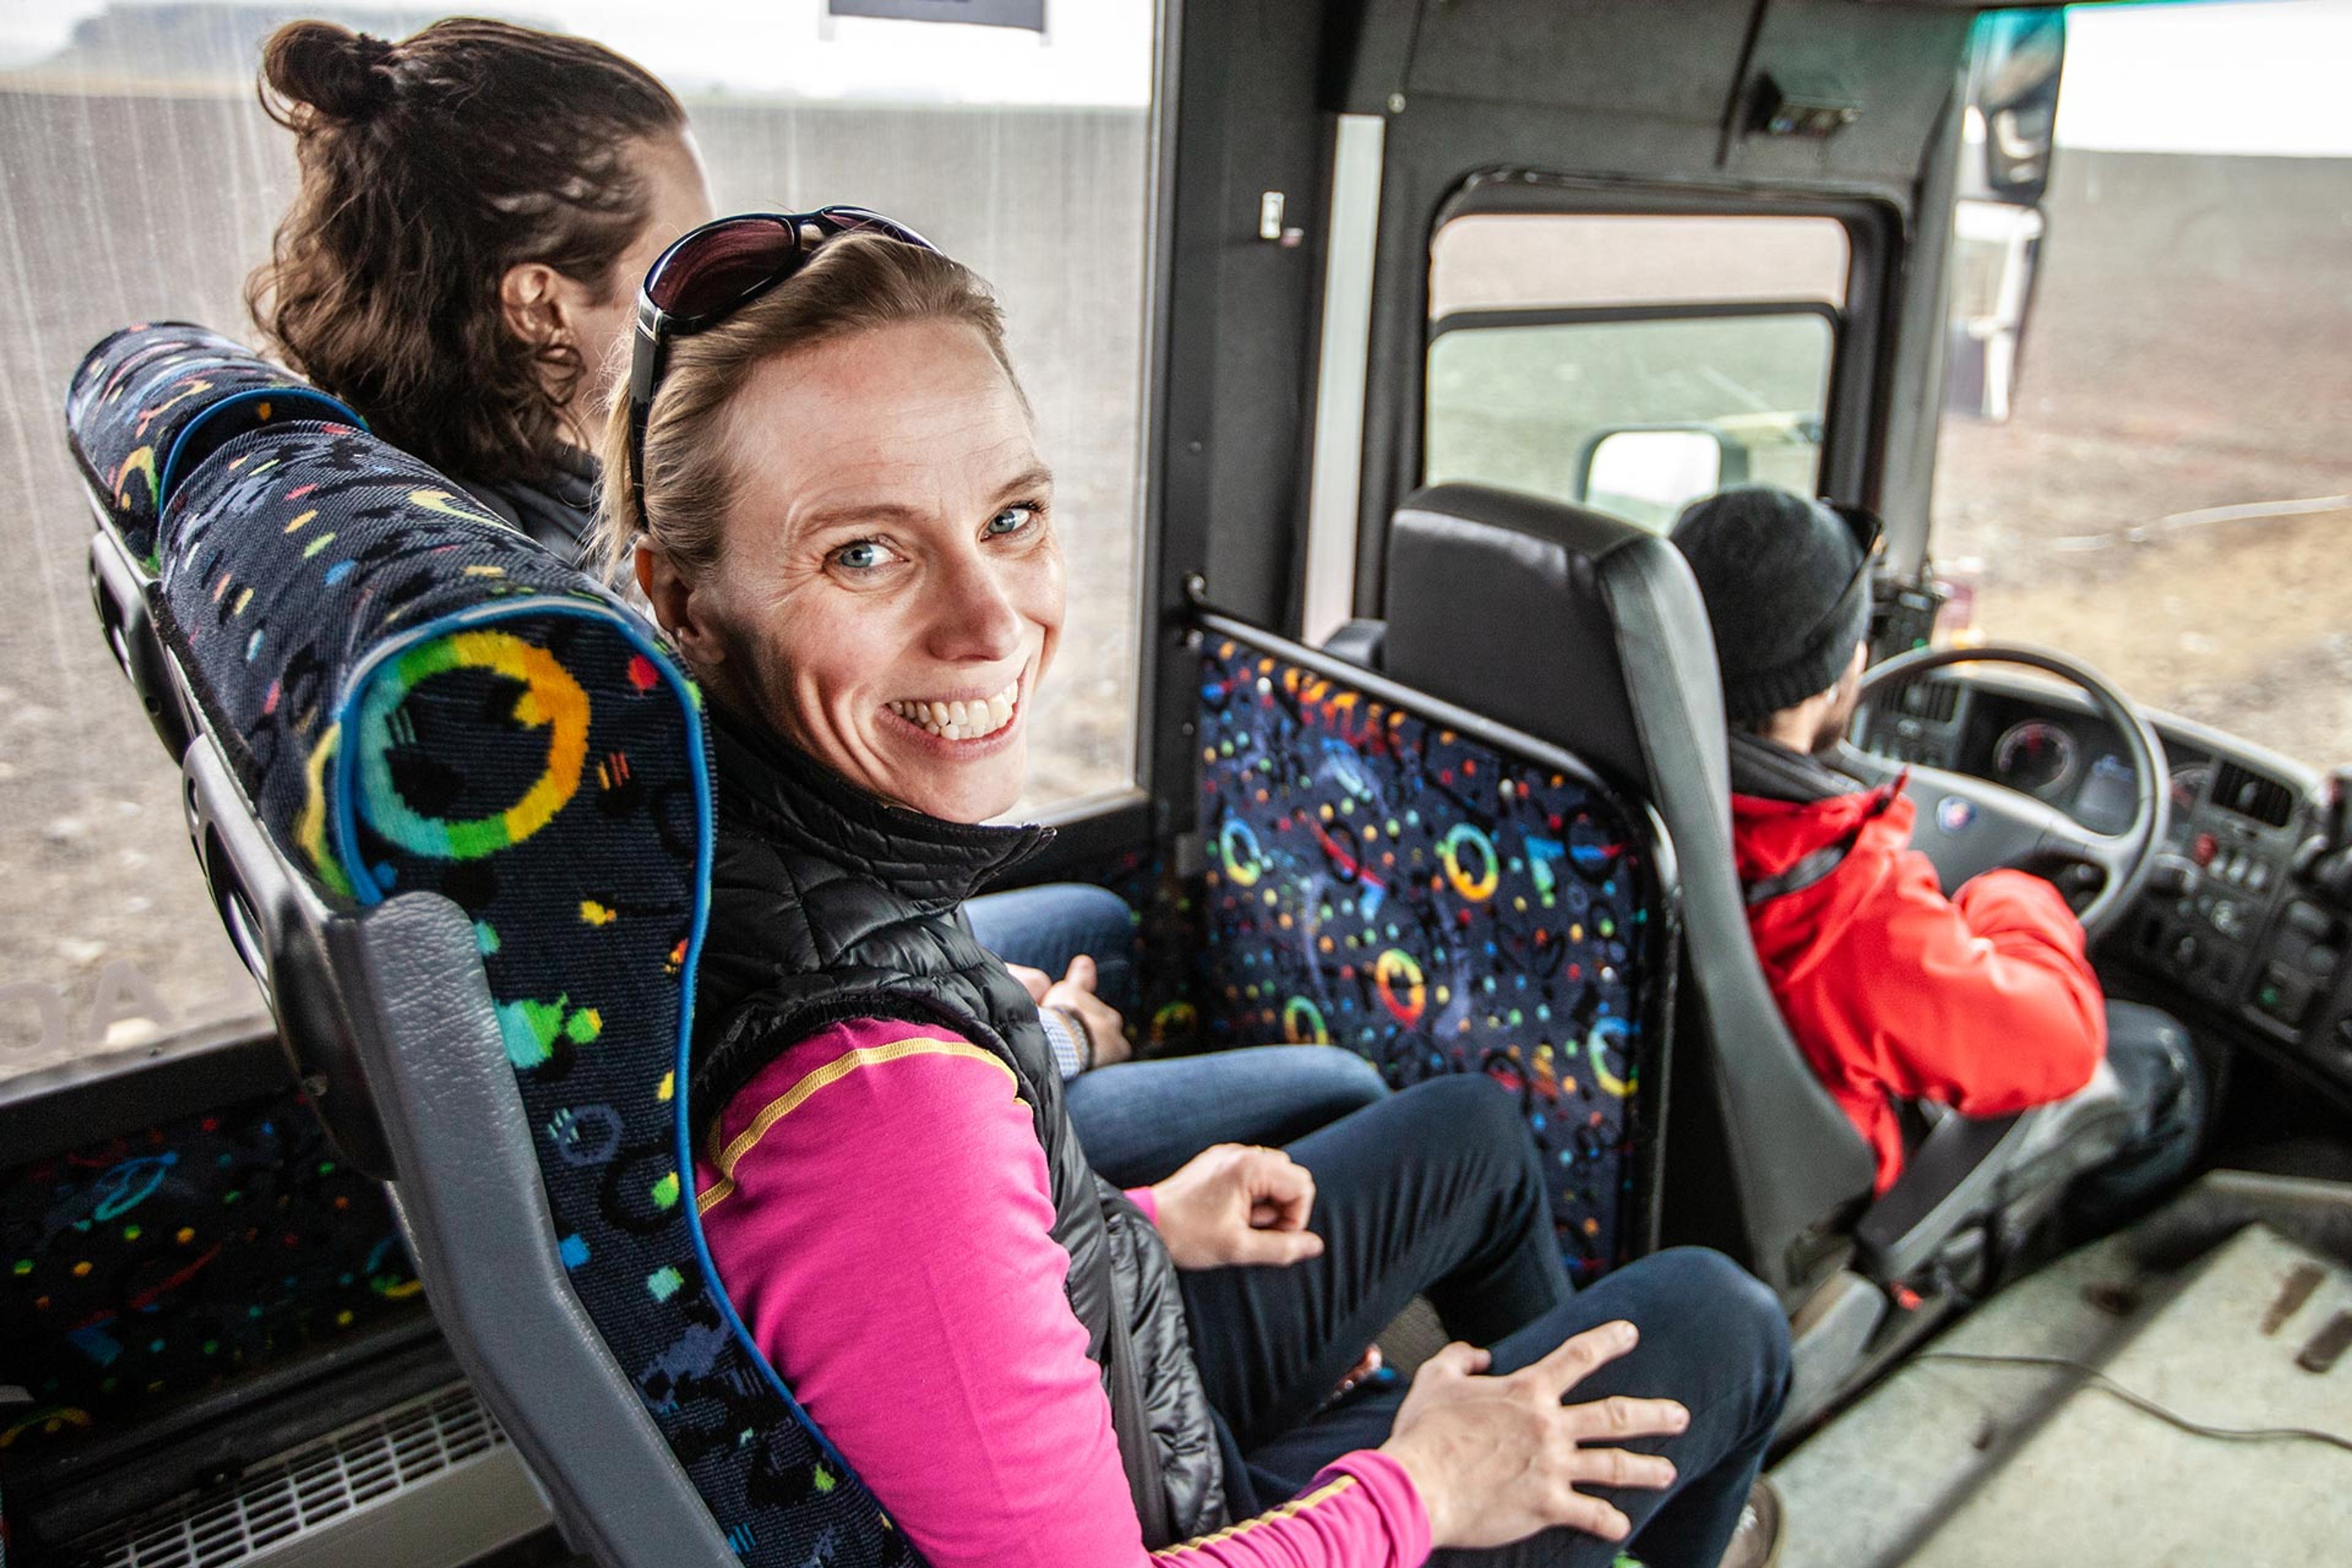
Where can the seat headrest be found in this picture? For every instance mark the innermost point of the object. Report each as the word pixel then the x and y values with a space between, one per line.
pixel 1504 603
pixel 150 403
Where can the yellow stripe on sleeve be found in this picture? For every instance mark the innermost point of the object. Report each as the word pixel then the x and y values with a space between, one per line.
pixel 832 1072
pixel 1294 1506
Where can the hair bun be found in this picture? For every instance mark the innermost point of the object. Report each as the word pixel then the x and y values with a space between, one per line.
pixel 339 74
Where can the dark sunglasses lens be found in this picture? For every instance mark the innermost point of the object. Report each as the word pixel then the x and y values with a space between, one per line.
pixel 710 271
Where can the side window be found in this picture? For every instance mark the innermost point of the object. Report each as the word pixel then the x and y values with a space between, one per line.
pixel 140 181
pixel 2142 458
pixel 1631 362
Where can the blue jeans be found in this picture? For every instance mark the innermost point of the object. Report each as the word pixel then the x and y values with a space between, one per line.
pixel 1438 1190
pixel 2171 1102
pixel 1140 1120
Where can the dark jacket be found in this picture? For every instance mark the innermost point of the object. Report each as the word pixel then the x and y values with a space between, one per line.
pixel 826 905
pixel 559 511
pixel 1984 1001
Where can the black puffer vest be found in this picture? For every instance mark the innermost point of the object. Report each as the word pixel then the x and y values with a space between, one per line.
pixel 829 905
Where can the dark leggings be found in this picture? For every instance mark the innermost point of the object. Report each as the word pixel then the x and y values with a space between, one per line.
pixel 1437 1192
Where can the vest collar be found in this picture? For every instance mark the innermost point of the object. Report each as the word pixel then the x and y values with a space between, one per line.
pixel 788 797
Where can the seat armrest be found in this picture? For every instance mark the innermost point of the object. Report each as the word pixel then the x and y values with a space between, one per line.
pixel 1949 1178
pixel 1358 642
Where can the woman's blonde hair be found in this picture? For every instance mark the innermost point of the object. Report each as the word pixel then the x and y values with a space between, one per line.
pixel 850 284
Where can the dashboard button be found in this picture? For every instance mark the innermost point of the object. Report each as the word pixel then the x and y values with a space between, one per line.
pixel 2322 962
pixel 2204 848
pixel 2260 877
pixel 2310 920
pixel 2283 994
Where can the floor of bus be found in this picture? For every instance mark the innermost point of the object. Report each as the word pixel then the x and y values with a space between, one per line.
pixel 2005 1442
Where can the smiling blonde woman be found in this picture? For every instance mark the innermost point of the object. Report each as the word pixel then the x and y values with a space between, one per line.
pixel 841 517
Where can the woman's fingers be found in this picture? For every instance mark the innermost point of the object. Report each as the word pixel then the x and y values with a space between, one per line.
pixel 1619 1415
pixel 1590 1515
pixel 1575 1358
pixel 1276 1248
pixel 1281 1190
pixel 1081 972
pixel 1458 1359
pixel 1620 1468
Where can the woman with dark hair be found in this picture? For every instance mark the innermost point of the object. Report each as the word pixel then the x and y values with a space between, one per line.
pixel 826 483
pixel 478 203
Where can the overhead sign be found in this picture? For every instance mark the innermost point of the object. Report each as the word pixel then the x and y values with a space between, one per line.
pixel 1029 14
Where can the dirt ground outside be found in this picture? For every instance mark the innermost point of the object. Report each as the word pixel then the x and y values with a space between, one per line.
pixel 2171 498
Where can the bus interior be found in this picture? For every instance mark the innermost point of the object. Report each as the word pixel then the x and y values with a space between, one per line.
pixel 1378 343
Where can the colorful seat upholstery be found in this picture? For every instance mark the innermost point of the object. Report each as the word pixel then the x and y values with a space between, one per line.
pixel 486 779
pixel 150 403
pixel 1390 881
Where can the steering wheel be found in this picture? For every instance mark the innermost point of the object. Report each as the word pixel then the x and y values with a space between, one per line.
pixel 1968 825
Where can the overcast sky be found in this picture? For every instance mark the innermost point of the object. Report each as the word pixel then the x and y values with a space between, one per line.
pixel 2241 76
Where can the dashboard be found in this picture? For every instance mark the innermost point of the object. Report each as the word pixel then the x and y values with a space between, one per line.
pixel 2223 916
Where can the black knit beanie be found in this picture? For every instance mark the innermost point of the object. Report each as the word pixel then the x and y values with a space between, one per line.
pixel 1785 592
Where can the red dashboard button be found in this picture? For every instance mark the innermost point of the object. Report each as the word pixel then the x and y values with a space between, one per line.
pixel 2205 848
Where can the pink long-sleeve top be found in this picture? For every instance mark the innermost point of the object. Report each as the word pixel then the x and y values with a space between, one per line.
pixel 878 1206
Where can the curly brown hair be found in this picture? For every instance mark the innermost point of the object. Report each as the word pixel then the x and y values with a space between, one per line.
pixel 430 167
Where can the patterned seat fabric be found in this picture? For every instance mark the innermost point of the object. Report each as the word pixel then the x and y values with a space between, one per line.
pixel 148 1267
pixel 1379 882
pixel 417 697
pixel 150 403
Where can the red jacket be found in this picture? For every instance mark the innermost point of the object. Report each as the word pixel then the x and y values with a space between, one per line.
pixel 1985 1001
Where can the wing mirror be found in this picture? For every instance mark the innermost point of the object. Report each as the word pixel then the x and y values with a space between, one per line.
pixel 1647 474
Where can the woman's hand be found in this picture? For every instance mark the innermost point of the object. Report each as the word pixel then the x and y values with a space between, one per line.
pixel 1495 1459
pixel 1075 993
pixel 1232 1203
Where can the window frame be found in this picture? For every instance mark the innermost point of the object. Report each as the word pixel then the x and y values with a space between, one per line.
pixel 1490 319
pixel 1853 422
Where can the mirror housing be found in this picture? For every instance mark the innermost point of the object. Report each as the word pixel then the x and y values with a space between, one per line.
pixel 1648 473
pixel 2015 58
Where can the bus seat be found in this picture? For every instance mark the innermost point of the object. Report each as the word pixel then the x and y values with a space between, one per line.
pixel 1592 636
pixel 1395 876
pixel 144 410
pixel 453 802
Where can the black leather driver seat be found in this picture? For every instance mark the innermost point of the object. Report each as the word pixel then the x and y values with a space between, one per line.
pixel 1588 632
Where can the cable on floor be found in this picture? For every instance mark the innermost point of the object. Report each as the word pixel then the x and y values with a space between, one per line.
pixel 2140 1402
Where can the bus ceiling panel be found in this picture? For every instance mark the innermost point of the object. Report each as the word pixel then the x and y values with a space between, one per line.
pixel 1651 91
pixel 1897 68
pixel 1677 61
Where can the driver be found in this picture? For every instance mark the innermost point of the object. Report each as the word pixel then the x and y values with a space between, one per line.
pixel 1985 1001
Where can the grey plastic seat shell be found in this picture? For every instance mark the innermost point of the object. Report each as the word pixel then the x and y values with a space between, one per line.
pixel 1591 633
pixel 467 1195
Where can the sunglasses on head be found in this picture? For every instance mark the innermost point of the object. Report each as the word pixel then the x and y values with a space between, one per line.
pixel 708 275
